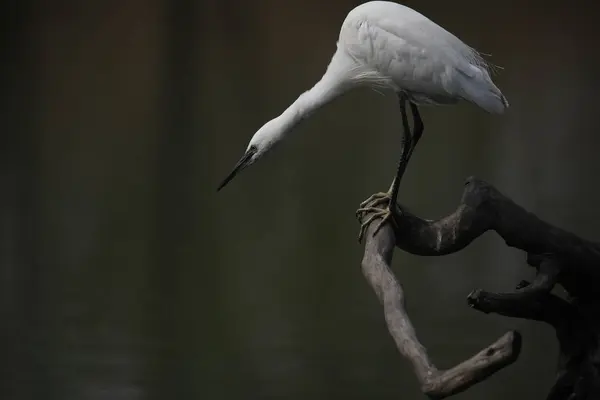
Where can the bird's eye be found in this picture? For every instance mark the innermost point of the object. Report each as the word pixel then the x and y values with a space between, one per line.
pixel 252 149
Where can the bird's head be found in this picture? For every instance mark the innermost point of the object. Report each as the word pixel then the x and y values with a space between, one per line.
pixel 262 141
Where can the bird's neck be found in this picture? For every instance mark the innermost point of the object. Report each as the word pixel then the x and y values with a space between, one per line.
pixel 316 97
pixel 333 83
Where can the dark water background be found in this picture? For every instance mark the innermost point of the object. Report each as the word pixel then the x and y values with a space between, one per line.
pixel 124 275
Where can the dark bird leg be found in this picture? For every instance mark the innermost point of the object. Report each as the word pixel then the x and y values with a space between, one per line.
pixel 409 142
pixel 418 128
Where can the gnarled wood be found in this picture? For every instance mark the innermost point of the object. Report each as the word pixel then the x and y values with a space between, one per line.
pixel 437 384
pixel 482 208
pixel 560 257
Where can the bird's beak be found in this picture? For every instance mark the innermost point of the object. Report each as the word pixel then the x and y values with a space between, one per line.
pixel 243 163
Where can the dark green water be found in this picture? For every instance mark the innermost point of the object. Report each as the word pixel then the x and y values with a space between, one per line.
pixel 124 275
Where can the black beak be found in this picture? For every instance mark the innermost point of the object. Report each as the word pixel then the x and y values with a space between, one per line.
pixel 243 163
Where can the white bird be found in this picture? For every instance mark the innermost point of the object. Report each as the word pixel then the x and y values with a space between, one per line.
pixel 386 45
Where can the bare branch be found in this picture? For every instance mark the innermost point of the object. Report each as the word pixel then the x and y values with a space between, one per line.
pixel 435 383
pixel 560 257
pixel 574 322
pixel 482 208
pixel 482 365
pixel 530 301
pixel 507 303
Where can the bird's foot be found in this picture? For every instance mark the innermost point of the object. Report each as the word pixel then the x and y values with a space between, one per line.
pixel 375 199
pixel 386 214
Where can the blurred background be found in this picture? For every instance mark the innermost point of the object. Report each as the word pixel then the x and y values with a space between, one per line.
pixel 124 275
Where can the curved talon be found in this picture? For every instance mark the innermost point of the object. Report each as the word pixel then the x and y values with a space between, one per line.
pixel 365 210
pixel 380 197
pixel 385 214
pixel 370 204
pixel 365 225
pixel 376 202
pixel 385 219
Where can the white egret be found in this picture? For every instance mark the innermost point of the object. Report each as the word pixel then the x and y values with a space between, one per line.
pixel 387 45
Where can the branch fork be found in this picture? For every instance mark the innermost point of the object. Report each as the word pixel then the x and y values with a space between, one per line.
pixel 559 257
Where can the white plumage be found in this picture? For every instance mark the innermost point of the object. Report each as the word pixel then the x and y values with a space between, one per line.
pixel 387 45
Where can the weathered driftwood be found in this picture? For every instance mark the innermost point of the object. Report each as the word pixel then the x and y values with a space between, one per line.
pixel 559 257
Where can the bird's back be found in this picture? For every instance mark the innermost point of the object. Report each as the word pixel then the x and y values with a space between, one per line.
pixel 396 46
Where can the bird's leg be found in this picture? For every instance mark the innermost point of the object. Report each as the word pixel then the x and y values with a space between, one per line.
pixel 387 213
pixel 418 128
pixel 407 144
pixel 384 197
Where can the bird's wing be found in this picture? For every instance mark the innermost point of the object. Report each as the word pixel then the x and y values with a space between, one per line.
pixel 437 42
pixel 417 55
